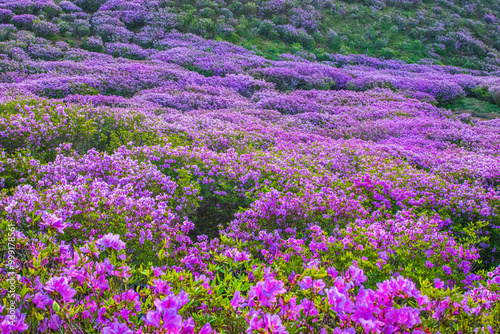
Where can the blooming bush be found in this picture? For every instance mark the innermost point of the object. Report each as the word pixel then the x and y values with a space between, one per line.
pixel 130 51
pixel 24 21
pixel 93 44
pixel 5 15
pixel 69 7
pixel 44 29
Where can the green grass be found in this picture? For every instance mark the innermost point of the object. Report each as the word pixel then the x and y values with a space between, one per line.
pixel 477 108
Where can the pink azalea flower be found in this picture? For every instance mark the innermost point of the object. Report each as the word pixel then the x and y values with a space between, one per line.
pixel 356 275
pixel 172 301
pixel 55 322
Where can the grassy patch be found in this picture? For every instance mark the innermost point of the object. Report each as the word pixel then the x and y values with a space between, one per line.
pixel 477 108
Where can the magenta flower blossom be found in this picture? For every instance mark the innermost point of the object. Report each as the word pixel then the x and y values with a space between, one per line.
pixel 167 319
pixel 41 300
pixel 447 270
pixel 172 301
pixel 60 284
pixel 339 302
pixel 308 307
pixel 237 300
pixel 405 316
pixel 290 310
pixel 356 275
pixel 165 316
pixel 52 221
pixel 55 322
pixel 318 286
pixel 207 329
pixel 312 264
pixel 438 283
pixel 308 283
pixel 370 325
pixel 332 272
pixel 14 323
pixel 266 291
pixel 111 241
pixel 117 328
pixel 153 318
pixel 344 331
pixel 267 323
pixel 124 143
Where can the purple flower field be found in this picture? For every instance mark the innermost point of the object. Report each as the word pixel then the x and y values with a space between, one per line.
pixel 158 182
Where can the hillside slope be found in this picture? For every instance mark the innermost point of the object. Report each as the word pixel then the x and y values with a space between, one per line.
pixel 159 181
pixel 461 33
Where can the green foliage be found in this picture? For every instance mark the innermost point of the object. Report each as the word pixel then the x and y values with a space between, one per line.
pixel 476 107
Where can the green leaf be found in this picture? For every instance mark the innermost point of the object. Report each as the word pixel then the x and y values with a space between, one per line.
pixel 56 307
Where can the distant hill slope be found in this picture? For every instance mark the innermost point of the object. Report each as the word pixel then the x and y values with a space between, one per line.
pixel 460 33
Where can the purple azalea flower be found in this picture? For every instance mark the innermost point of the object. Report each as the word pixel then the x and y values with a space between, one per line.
pixel 41 300
pixel 172 322
pixel 60 284
pixel 268 323
pixel 12 323
pixel 237 300
pixel 439 284
pixel 357 275
pixel 318 286
pixel 447 270
pixel 172 301
pixel 207 329
pixel 117 328
pixel 406 316
pixel 111 241
pixel 52 221
pixel 266 291
pixel 340 303
pixel 291 310
pixel 344 331
pixel 308 307
pixel 55 322
pixel 188 326
pixel 332 272
pixel 153 318
pixel 166 316
pixel 306 283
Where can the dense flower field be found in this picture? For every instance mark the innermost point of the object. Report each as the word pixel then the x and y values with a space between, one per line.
pixel 166 183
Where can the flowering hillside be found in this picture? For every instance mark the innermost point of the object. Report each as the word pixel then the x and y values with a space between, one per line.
pixel 451 32
pixel 158 181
